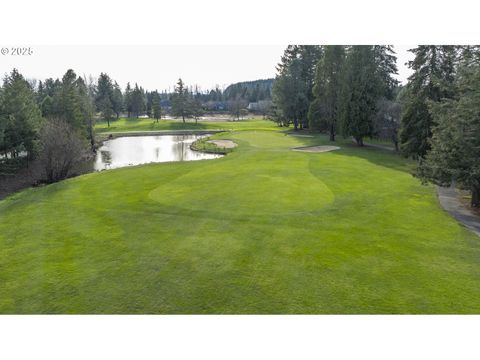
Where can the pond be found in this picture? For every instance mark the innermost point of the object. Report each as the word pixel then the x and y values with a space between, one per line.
pixel 136 150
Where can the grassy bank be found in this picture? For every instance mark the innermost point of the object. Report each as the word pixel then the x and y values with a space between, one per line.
pixel 261 230
pixel 208 147
pixel 134 124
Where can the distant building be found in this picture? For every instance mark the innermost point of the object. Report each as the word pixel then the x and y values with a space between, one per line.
pixel 215 105
pixel 262 106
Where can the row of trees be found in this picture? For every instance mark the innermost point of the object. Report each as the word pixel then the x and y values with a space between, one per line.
pixel 24 109
pixel 135 101
pixel 54 122
pixel 441 117
pixel 435 118
pixel 185 102
pixel 335 88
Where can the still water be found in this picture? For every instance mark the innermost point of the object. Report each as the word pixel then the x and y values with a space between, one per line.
pixel 135 150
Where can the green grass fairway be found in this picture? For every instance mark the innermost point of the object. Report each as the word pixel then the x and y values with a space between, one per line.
pixel 133 124
pixel 263 230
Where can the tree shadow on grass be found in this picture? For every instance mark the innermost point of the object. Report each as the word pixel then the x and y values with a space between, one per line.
pixel 381 157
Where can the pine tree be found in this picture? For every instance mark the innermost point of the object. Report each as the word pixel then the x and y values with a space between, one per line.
pixel 324 109
pixel 138 101
pixel 361 89
pixel 20 116
pixel 179 101
pixel 104 97
pixel 455 141
pixel 128 99
pixel 297 71
pixel 69 101
pixel 290 91
pixel 156 107
pixel 386 63
pixel 117 99
pixel 87 107
pixel 434 71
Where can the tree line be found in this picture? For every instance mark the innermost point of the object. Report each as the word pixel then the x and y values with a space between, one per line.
pixel 334 88
pixel 352 91
pixel 54 120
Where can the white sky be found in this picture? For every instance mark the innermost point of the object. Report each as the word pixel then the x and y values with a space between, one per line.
pixel 159 67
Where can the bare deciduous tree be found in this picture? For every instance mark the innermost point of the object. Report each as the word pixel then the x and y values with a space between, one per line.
pixel 62 149
pixel 238 107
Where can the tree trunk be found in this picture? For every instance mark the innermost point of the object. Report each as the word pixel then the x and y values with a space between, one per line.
pixel 396 145
pixel 475 197
pixel 359 141
pixel 183 118
pixel 332 132
pixel 108 122
pixel 295 124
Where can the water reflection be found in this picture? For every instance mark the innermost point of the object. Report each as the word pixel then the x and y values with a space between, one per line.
pixel 135 150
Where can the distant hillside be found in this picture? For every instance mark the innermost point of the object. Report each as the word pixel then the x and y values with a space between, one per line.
pixel 252 91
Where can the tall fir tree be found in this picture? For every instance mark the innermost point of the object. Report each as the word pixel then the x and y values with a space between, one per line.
pixel 117 100
pixel 386 62
pixel 179 101
pixel 156 106
pixel 324 109
pixel 296 72
pixel 128 100
pixel 290 94
pixel 20 116
pixel 138 101
pixel 104 97
pixel 455 141
pixel 432 79
pixel 361 89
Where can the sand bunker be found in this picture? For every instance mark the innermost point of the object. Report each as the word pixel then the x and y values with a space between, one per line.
pixel 225 144
pixel 317 149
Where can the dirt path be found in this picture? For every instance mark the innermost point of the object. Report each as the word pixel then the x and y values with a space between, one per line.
pixel 449 199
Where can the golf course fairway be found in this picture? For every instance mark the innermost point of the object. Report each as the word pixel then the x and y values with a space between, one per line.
pixel 263 230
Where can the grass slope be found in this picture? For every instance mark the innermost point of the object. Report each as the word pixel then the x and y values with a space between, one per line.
pixel 133 124
pixel 262 230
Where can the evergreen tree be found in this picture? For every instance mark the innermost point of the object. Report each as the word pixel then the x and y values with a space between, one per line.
pixel 138 101
pixel 431 81
pixel 386 63
pixel 104 97
pixel 304 59
pixel 324 109
pixel 362 87
pixel 117 100
pixel 455 141
pixel 69 101
pixel 292 90
pixel 128 99
pixel 20 116
pixel 195 108
pixel 179 101
pixel 87 107
pixel 47 106
pixel 290 93
pixel 156 107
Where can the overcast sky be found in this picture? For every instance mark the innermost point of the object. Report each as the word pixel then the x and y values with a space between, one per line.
pixel 159 67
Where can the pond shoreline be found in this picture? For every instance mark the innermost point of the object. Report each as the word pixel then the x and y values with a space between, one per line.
pixel 103 136
pixel 30 177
